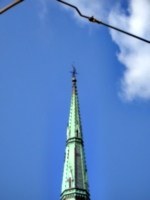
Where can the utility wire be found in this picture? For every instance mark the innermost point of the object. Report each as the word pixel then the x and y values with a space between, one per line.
pixel 10 6
pixel 92 19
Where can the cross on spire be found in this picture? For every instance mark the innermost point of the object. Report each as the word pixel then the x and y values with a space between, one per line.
pixel 74 71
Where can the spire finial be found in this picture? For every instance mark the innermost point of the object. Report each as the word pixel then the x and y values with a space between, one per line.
pixel 74 71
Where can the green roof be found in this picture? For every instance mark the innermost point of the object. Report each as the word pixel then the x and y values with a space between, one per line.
pixel 75 181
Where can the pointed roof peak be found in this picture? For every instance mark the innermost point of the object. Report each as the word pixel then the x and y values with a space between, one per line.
pixel 75 180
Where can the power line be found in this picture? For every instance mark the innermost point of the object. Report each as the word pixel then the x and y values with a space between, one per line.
pixel 10 6
pixel 92 19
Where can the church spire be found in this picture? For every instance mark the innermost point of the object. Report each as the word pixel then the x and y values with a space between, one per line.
pixel 75 181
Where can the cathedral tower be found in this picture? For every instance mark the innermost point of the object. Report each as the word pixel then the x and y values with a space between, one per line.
pixel 75 180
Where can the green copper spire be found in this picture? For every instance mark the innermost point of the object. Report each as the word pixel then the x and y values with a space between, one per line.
pixel 75 181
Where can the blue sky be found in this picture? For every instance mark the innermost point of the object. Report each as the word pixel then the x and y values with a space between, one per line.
pixel 39 40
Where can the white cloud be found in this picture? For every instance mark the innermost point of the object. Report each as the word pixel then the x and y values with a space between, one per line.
pixel 134 54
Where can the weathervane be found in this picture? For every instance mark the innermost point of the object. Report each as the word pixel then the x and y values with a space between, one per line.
pixel 10 6
pixel 74 71
pixel 92 19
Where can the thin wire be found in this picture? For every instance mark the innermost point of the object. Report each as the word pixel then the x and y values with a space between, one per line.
pixel 68 4
pixel 92 19
pixel 10 6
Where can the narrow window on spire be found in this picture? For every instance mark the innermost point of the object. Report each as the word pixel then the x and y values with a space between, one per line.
pixel 70 185
pixel 77 133
pixel 70 179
